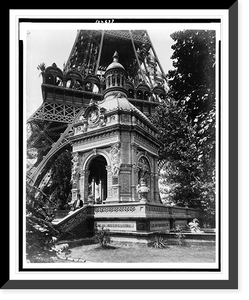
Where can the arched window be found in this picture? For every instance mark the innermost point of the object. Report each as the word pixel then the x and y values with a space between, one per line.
pixel 89 87
pixel 58 81
pixel 69 83
pixel 49 79
pixel 130 93
pixel 146 95
pixel 139 94
pixel 118 80
pixel 95 88
pixel 77 85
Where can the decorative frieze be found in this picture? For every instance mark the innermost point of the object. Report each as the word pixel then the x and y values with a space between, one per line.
pixel 83 144
pixel 145 144
pixel 114 209
pixel 163 225
pixel 116 225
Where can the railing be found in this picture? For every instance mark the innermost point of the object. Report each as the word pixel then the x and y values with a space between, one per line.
pixel 72 220
pixel 141 210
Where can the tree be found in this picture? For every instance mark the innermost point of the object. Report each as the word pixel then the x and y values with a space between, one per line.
pixel 60 186
pixel 41 67
pixel 186 121
pixel 192 82
pixel 40 233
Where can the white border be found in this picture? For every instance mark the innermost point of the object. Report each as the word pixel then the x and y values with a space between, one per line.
pixel 14 16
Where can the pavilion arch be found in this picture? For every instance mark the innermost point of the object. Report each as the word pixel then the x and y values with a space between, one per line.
pixel 95 183
pixel 92 155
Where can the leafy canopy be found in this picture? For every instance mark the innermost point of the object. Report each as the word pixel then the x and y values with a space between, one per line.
pixel 186 122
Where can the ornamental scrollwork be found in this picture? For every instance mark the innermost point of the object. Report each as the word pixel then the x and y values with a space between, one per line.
pixel 115 159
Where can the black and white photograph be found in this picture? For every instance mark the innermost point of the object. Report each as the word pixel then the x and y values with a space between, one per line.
pixel 123 147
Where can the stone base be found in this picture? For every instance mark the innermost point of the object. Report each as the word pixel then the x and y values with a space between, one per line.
pixel 148 238
pixel 132 238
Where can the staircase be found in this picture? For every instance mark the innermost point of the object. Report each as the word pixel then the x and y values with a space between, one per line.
pixel 73 221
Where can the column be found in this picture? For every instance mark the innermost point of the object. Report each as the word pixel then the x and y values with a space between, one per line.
pixel 134 173
pixel 109 181
pixel 93 188
pixel 84 186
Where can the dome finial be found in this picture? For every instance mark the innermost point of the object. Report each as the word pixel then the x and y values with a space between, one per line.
pixel 115 56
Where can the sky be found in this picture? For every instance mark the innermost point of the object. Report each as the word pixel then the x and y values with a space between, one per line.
pixel 54 46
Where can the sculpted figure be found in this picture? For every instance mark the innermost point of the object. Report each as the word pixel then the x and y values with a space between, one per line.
pixel 115 159
pixel 75 166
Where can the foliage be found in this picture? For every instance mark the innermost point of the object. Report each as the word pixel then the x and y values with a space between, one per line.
pixel 180 236
pixel 102 237
pixel 192 82
pixel 60 185
pixel 41 67
pixel 159 242
pixel 37 141
pixel 40 233
pixel 194 226
pixel 186 122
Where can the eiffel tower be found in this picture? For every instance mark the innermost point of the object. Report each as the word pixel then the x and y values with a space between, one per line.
pixel 67 93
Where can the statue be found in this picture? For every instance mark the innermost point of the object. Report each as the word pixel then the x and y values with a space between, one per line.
pixel 75 167
pixel 115 159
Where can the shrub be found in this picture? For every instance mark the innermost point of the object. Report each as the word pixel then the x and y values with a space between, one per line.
pixel 159 242
pixel 102 237
pixel 194 226
pixel 179 235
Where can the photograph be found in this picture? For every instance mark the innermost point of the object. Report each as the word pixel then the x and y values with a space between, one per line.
pixel 121 146
pixel 123 162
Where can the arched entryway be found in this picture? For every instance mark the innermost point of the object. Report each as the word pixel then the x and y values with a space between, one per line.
pixel 97 179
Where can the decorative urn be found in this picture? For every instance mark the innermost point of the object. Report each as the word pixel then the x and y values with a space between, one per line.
pixel 143 190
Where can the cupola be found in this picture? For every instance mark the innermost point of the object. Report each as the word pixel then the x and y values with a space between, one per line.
pixel 115 77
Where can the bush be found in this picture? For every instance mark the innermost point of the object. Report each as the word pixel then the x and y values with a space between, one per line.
pixel 102 237
pixel 194 226
pixel 159 242
pixel 179 235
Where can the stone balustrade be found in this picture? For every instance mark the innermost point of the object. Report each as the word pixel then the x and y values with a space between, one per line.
pixel 140 210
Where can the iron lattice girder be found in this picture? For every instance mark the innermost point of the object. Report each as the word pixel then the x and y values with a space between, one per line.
pixel 93 48
pixel 55 112
pixel 139 36
pixel 36 173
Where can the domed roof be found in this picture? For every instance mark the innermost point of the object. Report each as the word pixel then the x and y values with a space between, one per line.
pixel 115 64
pixel 118 101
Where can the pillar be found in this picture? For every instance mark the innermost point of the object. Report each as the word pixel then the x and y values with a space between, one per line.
pixel 83 185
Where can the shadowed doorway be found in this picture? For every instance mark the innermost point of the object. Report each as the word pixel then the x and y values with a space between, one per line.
pixel 97 180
